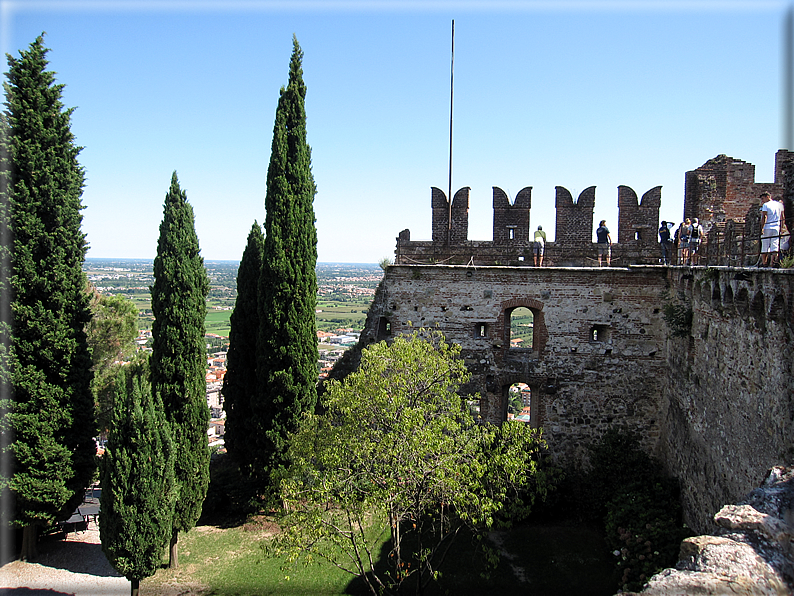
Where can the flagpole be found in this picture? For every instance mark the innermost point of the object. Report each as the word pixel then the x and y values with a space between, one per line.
pixel 451 90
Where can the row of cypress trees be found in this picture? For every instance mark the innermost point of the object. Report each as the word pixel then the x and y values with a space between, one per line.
pixel 156 467
pixel 272 361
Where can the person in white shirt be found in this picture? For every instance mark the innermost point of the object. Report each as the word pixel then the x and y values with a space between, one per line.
pixel 771 216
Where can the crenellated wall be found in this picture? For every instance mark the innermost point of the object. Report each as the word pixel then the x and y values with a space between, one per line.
pixel 513 239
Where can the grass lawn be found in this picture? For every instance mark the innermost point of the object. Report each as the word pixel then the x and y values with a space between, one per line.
pixel 229 562
pixel 560 558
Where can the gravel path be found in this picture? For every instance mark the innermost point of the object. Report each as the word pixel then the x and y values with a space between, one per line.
pixel 74 567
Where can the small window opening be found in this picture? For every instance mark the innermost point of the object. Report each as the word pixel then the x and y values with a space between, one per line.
pixel 637 235
pixel 599 333
pixel 481 330
pixel 511 233
pixel 384 328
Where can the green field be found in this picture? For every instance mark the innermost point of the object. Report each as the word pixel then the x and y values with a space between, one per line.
pixel 217 322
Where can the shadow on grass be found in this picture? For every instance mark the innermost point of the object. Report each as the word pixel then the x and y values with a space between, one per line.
pixel 231 496
pixel 551 556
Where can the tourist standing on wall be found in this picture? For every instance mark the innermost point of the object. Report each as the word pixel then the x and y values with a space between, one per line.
pixel 771 215
pixel 540 246
pixel 604 242
pixel 664 242
pixel 683 237
pixel 695 238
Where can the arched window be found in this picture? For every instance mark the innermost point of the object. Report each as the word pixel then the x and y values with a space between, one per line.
pixel 521 328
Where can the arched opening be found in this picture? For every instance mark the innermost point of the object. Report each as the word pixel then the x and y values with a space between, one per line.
pixel 519 402
pixel 522 328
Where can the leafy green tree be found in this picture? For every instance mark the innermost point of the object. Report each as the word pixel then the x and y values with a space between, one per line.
pixel 51 414
pixel 111 336
pixel 397 449
pixel 179 358
pixel 138 490
pixel 287 349
pixel 239 383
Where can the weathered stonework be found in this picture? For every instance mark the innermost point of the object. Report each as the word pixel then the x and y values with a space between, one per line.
pixel 729 392
pixel 750 551
pixel 716 406
pixel 580 386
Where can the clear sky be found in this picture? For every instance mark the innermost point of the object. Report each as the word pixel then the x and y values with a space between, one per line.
pixel 572 94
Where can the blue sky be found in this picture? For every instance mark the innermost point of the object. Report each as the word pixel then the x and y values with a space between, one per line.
pixel 574 94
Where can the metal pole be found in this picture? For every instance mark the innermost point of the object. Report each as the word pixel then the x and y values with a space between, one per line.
pixel 451 89
pixel 788 80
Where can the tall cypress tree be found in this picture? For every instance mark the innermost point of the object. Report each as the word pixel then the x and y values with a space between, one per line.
pixel 179 358
pixel 137 500
pixel 51 413
pixel 239 383
pixel 287 349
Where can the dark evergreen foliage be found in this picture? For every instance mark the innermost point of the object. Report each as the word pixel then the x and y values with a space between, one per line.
pixel 111 337
pixel 239 383
pixel 287 350
pixel 52 410
pixel 178 361
pixel 138 492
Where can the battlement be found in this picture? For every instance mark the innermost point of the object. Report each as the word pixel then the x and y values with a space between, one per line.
pixel 722 194
pixel 513 241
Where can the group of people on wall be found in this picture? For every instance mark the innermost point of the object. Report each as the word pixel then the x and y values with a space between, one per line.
pixel 684 246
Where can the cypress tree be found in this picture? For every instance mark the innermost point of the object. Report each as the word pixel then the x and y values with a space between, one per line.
pixel 137 500
pixel 287 349
pixel 239 383
pixel 179 358
pixel 51 414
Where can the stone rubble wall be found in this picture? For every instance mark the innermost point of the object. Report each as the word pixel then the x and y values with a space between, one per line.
pixel 730 391
pixel 749 553
pixel 579 386
pixel 716 406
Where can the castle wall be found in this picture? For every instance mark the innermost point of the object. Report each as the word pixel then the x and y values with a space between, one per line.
pixel 729 388
pixel 716 406
pixel 580 385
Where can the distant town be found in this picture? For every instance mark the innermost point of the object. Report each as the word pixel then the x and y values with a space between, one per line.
pixel 344 292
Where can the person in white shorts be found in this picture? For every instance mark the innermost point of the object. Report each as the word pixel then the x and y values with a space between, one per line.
pixel 771 216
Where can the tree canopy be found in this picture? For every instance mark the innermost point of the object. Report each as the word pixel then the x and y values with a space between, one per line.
pixel 287 347
pixel 111 336
pixel 396 448
pixel 138 491
pixel 178 361
pixel 51 413
pixel 239 383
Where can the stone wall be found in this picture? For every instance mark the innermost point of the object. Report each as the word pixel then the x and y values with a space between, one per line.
pixel 729 391
pixel 717 406
pixel 598 351
pixel 749 550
